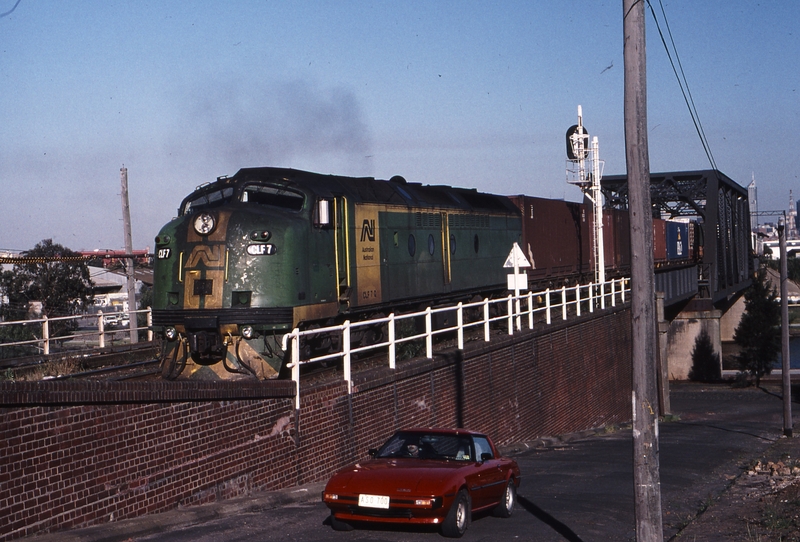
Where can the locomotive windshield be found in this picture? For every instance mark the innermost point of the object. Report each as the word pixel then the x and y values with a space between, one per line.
pixel 275 196
pixel 207 200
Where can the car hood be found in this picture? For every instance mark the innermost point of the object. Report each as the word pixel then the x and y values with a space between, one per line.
pixel 397 476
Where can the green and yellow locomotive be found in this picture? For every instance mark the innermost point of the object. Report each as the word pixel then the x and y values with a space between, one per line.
pixel 252 256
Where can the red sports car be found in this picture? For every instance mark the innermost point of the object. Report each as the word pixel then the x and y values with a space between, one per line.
pixel 425 476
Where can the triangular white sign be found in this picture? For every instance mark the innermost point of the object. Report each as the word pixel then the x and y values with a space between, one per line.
pixel 516 256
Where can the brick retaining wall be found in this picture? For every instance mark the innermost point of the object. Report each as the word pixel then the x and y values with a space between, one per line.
pixel 79 453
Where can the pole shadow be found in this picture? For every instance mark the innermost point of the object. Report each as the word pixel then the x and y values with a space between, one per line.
pixel 546 518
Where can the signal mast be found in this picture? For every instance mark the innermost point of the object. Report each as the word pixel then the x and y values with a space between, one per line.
pixel 579 152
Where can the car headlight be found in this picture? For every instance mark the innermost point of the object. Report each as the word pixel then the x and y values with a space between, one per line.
pixel 204 223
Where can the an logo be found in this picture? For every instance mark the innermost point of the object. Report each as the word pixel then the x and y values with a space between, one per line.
pixel 210 255
pixel 368 230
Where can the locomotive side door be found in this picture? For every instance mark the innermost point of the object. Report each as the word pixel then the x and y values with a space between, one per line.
pixel 342 249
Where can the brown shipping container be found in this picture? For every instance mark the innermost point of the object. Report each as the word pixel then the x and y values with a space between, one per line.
pixel 659 240
pixel 617 240
pixel 556 235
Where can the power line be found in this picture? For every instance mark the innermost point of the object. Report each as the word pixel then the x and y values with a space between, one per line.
pixel 9 12
pixel 682 83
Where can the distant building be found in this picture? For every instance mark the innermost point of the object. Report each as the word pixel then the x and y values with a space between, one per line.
pixel 752 198
pixel 791 219
pixel 110 292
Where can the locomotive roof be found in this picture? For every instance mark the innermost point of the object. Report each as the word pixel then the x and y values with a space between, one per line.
pixel 370 190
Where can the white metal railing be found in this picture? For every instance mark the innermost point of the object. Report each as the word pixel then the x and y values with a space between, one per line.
pixel 43 343
pixel 512 310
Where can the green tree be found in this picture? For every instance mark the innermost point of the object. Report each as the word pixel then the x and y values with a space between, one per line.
pixel 758 333
pixel 53 275
pixel 705 362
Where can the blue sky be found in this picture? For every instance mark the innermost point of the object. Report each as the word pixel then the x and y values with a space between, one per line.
pixel 472 94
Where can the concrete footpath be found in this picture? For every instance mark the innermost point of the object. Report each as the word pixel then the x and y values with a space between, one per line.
pixel 722 455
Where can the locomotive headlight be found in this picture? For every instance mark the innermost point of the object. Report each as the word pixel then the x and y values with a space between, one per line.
pixel 247 332
pixel 204 223
pixel 171 333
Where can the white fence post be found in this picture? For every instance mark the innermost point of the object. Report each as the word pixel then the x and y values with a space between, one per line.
pixel 530 309
pixel 46 335
pixel 563 302
pixel 428 334
pixel 295 337
pixel 460 321
pixel 346 352
pixel 578 299
pixel 101 334
pixel 486 319
pixel 392 348
pixel 602 295
pixel 613 293
pixel 149 323
pixel 510 309
pixel 547 304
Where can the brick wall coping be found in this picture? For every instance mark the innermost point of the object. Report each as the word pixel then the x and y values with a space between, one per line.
pixel 61 393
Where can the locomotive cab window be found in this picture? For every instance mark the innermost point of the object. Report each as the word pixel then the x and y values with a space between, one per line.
pixel 207 200
pixel 273 196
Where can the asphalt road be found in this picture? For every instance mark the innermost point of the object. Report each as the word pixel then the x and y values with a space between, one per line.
pixel 576 488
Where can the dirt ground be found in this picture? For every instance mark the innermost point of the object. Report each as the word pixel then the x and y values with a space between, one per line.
pixel 762 503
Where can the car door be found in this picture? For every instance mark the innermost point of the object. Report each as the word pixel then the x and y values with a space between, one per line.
pixel 491 478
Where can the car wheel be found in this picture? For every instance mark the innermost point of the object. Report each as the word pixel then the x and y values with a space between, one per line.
pixel 339 525
pixel 507 501
pixel 457 520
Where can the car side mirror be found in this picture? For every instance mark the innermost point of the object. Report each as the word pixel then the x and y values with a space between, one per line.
pixel 372 452
pixel 485 456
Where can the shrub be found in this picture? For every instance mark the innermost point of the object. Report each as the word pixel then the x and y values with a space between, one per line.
pixel 705 362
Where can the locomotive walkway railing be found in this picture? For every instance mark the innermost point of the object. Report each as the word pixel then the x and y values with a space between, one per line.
pixel 509 312
pixel 101 327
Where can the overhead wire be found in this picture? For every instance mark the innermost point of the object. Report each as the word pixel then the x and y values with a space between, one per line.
pixel 683 84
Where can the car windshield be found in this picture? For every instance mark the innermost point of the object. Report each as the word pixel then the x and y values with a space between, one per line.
pixel 428 446
pixel 207 200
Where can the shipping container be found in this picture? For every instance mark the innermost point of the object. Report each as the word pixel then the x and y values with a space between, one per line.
pixel 677 240
pixel 556 235
pixel 659 240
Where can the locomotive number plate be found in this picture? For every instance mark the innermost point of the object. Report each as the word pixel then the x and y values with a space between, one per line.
pixel 163 253
pixel 373 501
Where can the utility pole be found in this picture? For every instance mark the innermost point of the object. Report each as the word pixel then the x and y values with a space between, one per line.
pixel 126 226
pixel 786 377
pixel 646 478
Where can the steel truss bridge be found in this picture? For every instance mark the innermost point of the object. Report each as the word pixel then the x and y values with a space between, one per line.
pixel 722 209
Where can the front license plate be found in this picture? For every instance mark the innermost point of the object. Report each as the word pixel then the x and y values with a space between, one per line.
pixel 373 501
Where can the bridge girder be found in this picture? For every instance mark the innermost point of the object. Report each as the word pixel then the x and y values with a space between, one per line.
pixel 720 205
